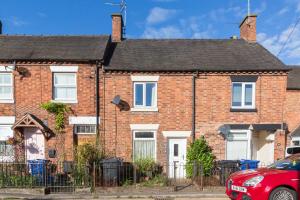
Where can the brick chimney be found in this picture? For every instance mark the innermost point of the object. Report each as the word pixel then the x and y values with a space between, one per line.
pixel 117 27
pixel 248 28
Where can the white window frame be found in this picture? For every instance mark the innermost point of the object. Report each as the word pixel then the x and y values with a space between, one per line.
pixel 54 86
pixel 80 133
pixel 243 106
pixel 11 99
pixel 144 107
pixel 143 139
pixel 248 138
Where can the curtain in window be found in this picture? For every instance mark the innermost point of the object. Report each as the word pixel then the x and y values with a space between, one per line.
pixel 150 94
pixel 144 149
pixel 65 86
pixel 248 94
pixel 6 149
pixel 237 94
pixel 139 94
pixel 6 86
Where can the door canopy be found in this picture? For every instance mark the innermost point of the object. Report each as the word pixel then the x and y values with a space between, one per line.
pixel 31 121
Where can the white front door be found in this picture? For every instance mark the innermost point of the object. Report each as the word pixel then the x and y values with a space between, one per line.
pixel 34 144
pixel 177 158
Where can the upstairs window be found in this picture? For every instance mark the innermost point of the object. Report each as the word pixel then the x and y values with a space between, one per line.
pixel 243 95
pixel 145 94
pixel 6 87
pixel 65 87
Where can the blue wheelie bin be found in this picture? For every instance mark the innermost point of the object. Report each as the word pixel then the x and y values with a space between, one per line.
pixel 248 164
pixel 38 169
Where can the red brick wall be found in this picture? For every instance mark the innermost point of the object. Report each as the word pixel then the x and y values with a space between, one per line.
pixel 292 110
pixel 36 88
pixel 213 101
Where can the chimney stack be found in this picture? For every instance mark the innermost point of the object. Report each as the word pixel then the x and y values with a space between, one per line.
pixel 248 28
pixel 117 27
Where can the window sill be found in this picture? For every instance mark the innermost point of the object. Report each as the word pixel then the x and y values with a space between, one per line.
pixel 65 101
pixel 243 110
pixel 85 133
pixel 7 101
pixel 154 109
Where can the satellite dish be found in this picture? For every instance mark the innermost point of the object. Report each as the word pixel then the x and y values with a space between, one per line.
pixel 116 100
pixel 224 129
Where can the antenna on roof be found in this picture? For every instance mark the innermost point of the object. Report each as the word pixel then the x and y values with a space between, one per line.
pixel 249 3
pixel 123 10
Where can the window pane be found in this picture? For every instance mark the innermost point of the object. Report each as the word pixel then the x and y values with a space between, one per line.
pixel 144 135
pixel 85 128
pixel 5 92
pixel 64 79
pixel 144 149
pixel 5 132
pixel 65 93
pixel 150 94
pixel 5 79
pixel 139 94
pixel 248 94
pixel 237 94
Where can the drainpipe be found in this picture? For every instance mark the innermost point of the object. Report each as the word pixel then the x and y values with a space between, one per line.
pixel 194 107
pixel 98 65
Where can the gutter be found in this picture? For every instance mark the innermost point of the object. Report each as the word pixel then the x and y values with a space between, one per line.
pixel 194 106
pixel 98 65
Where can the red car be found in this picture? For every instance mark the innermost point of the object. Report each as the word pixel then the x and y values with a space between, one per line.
pixel 279 181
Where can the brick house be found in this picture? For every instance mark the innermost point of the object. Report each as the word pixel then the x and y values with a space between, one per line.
pixel 39 69
pixel 292 107
pixel 158 95
pixel 151 98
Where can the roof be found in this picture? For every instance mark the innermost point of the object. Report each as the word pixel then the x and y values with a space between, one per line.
pixel 192 55
pixel 75 48
pixel 293 82
pixel 296 132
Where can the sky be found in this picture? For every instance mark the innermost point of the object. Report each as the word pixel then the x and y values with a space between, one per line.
pixel 201 19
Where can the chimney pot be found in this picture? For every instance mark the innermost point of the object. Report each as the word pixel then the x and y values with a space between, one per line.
pixel 0 27
pixel 117 27
pixel 248 28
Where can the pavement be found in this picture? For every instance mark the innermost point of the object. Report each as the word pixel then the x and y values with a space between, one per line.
pixel 204 196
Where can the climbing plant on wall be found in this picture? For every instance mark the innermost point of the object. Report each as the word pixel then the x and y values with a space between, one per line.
pixel 59 110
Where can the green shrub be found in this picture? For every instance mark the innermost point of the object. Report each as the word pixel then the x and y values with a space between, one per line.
pixel 200 152
pixel 87 154
pixel 145 165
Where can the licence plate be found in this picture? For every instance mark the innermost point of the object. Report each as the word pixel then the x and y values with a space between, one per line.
pixel 238 189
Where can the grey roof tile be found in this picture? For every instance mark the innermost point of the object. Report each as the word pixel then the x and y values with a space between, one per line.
pixel 294 78
pixel 77 48
pixel 192 55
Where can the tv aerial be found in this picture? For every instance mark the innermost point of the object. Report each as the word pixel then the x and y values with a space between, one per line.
pixel 123 9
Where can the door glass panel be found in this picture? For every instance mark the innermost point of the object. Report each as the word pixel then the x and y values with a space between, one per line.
pixel 176 150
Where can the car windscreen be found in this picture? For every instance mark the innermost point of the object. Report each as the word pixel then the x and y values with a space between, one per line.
pixel 290 163
pixel 293 150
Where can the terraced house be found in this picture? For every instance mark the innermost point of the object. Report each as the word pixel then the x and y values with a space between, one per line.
pixel 144 98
